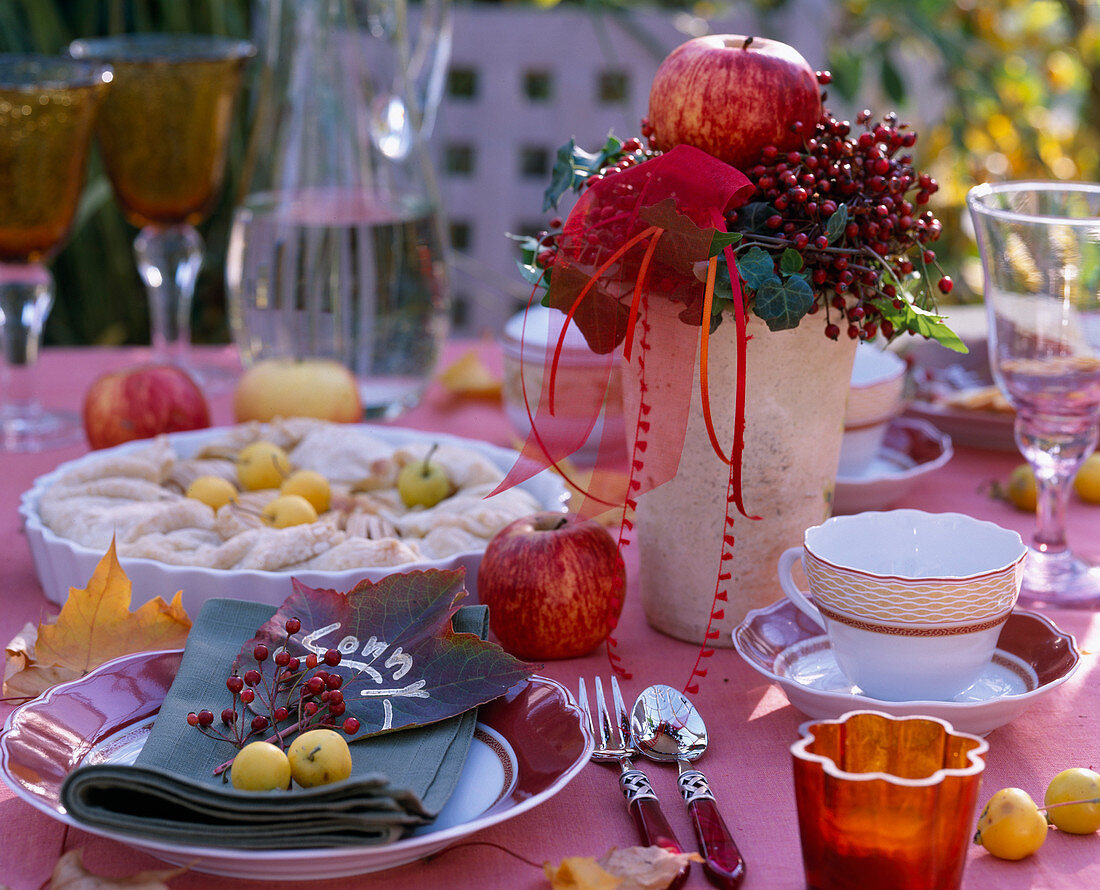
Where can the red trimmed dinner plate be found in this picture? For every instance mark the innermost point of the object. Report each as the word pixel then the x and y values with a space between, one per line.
pixel 528 745
pixel 1033 658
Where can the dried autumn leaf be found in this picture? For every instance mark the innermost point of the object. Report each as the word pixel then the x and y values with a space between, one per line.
pixel 402 663
pixel 646 868
pixel 469 376
pixel 629 868
pixel 94 626
pixel 70 874
pixel 22 677
pixel 579 873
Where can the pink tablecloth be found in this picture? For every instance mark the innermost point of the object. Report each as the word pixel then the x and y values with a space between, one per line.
pixel 751 722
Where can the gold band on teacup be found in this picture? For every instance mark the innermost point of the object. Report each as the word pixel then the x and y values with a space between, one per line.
pixel 910 630
pixel 933 600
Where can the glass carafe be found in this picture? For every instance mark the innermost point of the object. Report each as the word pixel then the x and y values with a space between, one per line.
pixel 337 249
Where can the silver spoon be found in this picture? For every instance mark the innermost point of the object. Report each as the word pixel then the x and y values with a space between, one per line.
pixel 667 727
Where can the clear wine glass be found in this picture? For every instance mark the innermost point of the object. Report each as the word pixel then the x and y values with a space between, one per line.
pixel 164 136
pixel 48 107
pixel 1040 249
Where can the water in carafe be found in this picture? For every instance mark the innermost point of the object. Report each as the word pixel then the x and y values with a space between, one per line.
pixel 337 245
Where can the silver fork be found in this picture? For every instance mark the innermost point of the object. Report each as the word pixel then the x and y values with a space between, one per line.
pixel 616 745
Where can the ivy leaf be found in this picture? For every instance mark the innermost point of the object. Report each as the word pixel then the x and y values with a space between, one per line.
pixel 783 302
pixel 561 175
pixel 790 261
pixel 403 665
pixel 834 226
pixel 721 240
pixel 915 320
pixel 756 267
pixel 532 274
pixel 753 217
pixel 94 626
pixel 573 165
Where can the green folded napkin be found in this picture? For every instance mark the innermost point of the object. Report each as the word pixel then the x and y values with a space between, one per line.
pixel 399 779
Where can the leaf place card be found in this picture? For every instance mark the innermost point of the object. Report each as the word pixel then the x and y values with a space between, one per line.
pixel 406 644
pixel 401 662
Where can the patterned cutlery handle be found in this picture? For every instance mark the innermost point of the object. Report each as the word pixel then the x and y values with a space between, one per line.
pixel 724 865
pixel 649 819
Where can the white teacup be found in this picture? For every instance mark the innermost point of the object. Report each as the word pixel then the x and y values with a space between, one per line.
pixel 912 602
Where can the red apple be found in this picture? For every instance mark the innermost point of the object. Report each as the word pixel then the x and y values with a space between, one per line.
pixel 142 401
pixel 732 96
pixel 554 585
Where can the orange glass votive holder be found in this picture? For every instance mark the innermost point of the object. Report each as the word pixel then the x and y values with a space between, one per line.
pixel 885 803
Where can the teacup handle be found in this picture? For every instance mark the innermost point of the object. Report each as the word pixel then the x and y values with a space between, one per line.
pixel 796 596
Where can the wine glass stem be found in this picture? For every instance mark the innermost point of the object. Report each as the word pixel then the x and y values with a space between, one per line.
pixel 168 260
pixel 1050 514
pixel 1055 455
pixel 26 296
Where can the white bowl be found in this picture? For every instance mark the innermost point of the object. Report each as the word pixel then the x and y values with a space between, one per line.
pixel 524 343
pixel 875 397
pixel 911 449
pixel 61 563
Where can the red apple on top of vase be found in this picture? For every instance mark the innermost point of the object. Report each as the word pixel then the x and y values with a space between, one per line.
pixel 142 401
pixel 731 96
pixel 554 585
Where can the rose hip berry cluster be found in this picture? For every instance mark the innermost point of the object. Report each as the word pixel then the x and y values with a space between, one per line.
pixel 868 170
pixel 298 690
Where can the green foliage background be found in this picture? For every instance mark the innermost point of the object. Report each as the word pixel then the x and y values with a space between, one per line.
pixel 1021 84
pixel 100 298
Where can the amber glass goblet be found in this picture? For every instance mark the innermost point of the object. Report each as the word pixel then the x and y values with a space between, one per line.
pixel 164 137
pixel 48 108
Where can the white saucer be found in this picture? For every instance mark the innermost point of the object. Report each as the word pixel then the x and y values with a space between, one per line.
pixel 1033 657
pixel 911 449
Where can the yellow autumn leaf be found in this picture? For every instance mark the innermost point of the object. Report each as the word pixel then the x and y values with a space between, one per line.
pixel 94 626
pixel 628 868
pixel 469 376
pixel 579 873
pixel 71 874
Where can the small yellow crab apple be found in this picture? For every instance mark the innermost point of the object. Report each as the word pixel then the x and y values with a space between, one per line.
pixel 319 757
pixel 287 510
pixel 262 465
pixel 260 766
pixel 1011 825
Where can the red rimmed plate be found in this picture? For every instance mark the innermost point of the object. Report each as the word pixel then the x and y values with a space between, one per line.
pixel 1033 658
pixel 910 450
pixel 528 745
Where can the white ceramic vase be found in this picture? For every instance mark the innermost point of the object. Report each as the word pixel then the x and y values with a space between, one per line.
pixel 796 391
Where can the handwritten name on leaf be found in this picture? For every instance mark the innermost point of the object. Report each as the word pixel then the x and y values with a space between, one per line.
pixel 402 663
